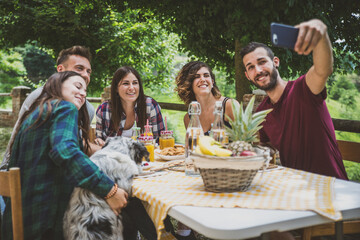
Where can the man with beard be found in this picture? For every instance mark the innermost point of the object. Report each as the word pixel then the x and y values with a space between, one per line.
pixel 299 126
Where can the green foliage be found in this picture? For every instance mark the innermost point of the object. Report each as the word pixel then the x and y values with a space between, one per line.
pixel 336 110
pixel 225 83
pixel 175 122
pixel 208 29
pixel 355 79
pixel 11 72
pixel 344 90
pixel 347 98
pixel 38 63
pixel 5 134
pixel 352 170
pixel 341 83
pixel 132 32
pixel 136 39
pixel 115 37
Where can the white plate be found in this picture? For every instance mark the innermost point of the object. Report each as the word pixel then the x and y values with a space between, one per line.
pixel 146 165
pixel 168 158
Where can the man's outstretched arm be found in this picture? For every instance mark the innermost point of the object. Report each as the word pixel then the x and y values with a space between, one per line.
pixel 313 37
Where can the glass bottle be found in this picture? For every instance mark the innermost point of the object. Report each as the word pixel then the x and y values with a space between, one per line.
pixel 193 132
pixel 135 132
pixel 148 142
pixel 166 139
pixel 218 131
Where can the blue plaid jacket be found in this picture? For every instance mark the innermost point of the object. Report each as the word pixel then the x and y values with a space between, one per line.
pixel 51 164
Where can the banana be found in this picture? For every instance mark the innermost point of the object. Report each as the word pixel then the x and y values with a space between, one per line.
pixel 207 145
pixel 222 152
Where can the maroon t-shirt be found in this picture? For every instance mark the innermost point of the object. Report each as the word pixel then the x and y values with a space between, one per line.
pixel 300 127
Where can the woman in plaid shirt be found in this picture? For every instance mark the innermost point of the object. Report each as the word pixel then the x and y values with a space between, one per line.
pixel 48 150
pixel 131 106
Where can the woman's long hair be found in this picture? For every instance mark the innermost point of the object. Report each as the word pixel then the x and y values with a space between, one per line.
pixel 185 79
pixel 50 92
pixel 117 109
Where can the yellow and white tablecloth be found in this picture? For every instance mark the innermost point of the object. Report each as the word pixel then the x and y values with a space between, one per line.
pixel 285 189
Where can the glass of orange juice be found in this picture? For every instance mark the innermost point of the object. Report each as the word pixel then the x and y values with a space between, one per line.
pixel 148 142
pixel 166 139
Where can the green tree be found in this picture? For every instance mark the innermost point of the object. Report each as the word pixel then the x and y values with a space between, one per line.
pixel 38 63
pixel 216 30
pixel 341 86
pixel 11 71
pixel 135 38
pixel 342 89
pixel 356 80
pixel 211 30
pixel 116 37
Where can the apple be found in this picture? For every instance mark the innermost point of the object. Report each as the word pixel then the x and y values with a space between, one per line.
pixel 247 153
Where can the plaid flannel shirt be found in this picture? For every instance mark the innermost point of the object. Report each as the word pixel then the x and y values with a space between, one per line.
pixel 104 126
pixel 51 164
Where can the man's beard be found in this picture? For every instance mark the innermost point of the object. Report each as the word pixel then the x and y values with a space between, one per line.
pixel 271 85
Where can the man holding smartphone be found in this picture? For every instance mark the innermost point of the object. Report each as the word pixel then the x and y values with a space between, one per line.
pixel 299 126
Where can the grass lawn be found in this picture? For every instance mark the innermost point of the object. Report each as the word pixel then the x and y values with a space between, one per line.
pixel 342 112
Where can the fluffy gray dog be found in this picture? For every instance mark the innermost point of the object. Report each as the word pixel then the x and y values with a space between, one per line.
pixel 89 216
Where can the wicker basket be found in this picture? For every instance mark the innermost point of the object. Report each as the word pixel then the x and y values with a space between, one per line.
pixel 229 174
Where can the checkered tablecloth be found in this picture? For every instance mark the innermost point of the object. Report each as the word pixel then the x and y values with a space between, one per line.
pixel 285 189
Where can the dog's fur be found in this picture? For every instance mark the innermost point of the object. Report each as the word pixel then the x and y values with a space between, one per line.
pixel 88 216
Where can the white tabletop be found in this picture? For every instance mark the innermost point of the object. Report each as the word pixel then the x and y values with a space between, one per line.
pixel 240 223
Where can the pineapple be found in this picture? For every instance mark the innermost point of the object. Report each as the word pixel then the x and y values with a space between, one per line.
pixel 238 147
pixel 244 127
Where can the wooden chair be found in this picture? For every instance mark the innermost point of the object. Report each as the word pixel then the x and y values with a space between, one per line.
pixel 10 187
pixel 350 151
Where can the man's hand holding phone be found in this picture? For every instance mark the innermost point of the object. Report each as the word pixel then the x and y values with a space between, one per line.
pixel 310 33
pixel 283 35
pixel 303 38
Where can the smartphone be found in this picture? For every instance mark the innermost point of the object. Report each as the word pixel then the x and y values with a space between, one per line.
pixel 283 35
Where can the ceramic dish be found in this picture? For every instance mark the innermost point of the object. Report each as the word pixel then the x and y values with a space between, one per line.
pixel 168 158
pixel 146 165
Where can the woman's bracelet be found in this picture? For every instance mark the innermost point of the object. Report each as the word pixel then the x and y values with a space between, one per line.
pixel 112 192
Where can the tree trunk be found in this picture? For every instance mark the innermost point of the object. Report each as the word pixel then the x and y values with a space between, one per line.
pixel 242 85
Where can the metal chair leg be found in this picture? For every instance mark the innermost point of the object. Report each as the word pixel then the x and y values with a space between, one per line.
pixel 265 236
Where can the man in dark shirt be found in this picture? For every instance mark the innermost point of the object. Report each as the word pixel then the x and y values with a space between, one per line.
pixel 299 126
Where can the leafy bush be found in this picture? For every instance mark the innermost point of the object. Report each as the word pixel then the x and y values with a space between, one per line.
pixel 352 170
pixel 341 86
pixel 347 98
pixel 11 71
pixel 38 63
